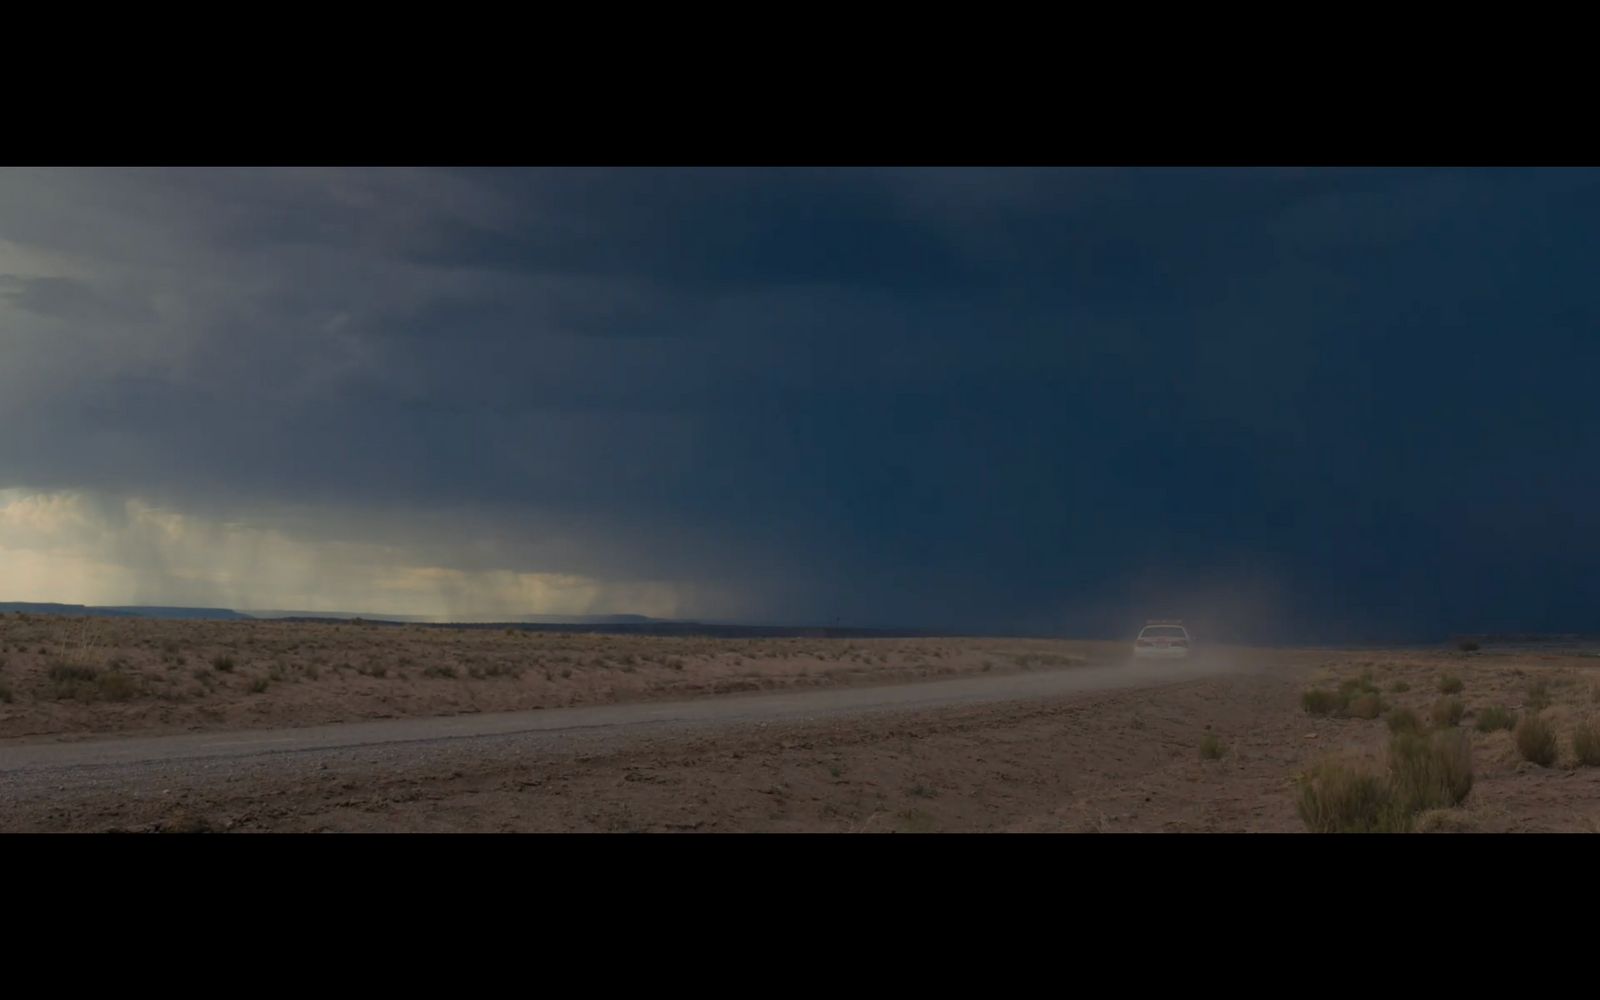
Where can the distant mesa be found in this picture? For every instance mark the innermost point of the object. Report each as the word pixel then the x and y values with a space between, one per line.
pixel 227 614
pixel 126 611
pixel 369 616
pixel 69 610
pixel 587 619
pixel 616 623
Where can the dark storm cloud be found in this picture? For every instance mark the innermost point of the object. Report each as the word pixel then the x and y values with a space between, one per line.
pixel 1338 400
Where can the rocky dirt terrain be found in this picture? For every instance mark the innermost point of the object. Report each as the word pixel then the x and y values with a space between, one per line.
pixel 1258 741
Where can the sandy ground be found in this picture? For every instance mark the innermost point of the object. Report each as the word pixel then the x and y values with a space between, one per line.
pixel 75 677
pixel 1122 761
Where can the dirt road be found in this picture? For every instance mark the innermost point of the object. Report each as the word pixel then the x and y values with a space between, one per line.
pixel 394 774
pixel 1207 746
pixel 100 759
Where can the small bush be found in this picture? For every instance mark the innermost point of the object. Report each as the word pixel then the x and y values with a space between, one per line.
pixel 1403 720
pixel 1356 686
pixel 1536 740
pixel 1432 771
pixel 1496 717
pixel 1450 684
pixel 1399 687
pixel 1319 702
pixel 1339 798
pixel 259 685
pixel 1366 706
pixel 1448 712
pixel 117 686
pixel 1586 741
pixel 222 663
pixel 7 696
pixel 63 672
pixel 1538 695
pixel 1468 645
pixel 1210 747
pixel 73 681
pixel 439 670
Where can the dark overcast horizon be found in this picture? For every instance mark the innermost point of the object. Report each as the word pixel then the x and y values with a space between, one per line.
pixel 1290 404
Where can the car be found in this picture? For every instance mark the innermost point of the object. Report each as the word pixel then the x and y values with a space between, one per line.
pixel 1162 640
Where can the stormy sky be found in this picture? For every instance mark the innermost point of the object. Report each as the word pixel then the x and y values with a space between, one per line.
pixel 1311 403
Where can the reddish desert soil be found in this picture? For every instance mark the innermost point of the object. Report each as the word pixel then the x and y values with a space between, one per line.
pixel 1123 761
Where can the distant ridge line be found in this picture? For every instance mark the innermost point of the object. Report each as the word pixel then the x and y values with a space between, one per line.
pixel 650 628
pixel 596 624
